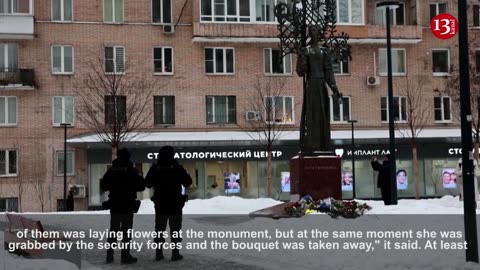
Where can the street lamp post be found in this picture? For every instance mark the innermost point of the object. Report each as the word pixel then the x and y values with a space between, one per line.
pixel 65 126
pixel 391 124
pixel 353 157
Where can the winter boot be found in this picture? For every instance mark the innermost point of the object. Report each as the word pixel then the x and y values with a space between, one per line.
pixel 176 255
pixel 159 254
pixel 127 258
pixel 109 256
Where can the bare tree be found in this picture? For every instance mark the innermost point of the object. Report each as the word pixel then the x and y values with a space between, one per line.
pixel 20 182
pixel 128 96
pixel 418 115
pixel 453 90
pixel 40 183
pixel 266 101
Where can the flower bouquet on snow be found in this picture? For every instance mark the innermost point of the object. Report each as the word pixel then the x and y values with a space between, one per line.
pixel 334 208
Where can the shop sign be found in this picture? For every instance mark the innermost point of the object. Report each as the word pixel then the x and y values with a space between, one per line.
pixel 221 154
pixel 457 151
pixel 369 152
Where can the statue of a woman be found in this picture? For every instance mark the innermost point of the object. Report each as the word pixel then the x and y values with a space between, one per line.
pixel 316 64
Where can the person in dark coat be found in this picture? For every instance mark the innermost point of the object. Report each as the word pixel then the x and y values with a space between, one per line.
pixel 123 181
pixel 70 200
pixel 383 180
pixel 167 178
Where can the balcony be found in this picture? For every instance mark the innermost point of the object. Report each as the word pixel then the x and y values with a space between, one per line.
pixel 21 79
pixel 16 19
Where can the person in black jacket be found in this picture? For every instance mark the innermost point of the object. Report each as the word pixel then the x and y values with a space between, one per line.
pixel 123 182
pixel 383 181
pixel 167 178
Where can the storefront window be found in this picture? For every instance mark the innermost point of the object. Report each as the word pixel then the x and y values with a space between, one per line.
pixel 440 178
pixel 280 186
pixel 230 178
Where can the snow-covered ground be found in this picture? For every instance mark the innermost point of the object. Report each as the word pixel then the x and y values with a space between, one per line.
pixel 278 259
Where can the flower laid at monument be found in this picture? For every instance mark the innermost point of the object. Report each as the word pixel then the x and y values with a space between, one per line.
pixel 330 206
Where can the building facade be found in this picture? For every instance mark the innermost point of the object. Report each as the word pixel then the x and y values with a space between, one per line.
pixel 206 56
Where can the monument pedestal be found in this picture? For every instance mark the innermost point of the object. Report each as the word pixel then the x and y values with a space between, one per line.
pixel 317 176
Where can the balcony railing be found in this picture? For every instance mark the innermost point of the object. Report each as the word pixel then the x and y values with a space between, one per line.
pixel 17 78
pixel 16 19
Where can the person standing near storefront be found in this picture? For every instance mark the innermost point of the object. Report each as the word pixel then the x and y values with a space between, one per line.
pixel 123 182
pixel 167 178
pixel 459 173
pixel 383 180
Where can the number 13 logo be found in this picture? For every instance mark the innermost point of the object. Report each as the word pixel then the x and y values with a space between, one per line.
pixel 444 26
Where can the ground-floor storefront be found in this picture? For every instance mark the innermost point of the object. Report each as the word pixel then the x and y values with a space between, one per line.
pixel 212 167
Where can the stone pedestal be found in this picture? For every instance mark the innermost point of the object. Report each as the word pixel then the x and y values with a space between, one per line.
pixel 317 176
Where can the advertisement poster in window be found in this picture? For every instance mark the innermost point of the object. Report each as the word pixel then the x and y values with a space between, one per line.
pixel 285 181
pixel 449 179
pixel 232 182
pixel 347 181
pixel 402 179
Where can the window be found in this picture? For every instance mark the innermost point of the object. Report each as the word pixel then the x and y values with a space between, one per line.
pixel 477 61
pixel 339 113
pixel 443 112
pixel 62 10
pixel 115 59
pixel 115 110
pixel 8 6
pixel 440 61
pixel 8 111
pixel 62 110
pixel 8 57
pixel 279 109
pixel 221 110
pixel 70 162
pixel 341 67
pixel 113 11
pixel 163 60
pixel 350 11
pixel 399 109
pixel 219 60
pixel 397 16
pixel 162 11
pixel 437 8
pixel 8 163
pixel 275 63
pixel 62 59
pixel 476 17
pixel 399 61
pixel 164 110
pixel 264 10
pixel 8 204
pixel 225 10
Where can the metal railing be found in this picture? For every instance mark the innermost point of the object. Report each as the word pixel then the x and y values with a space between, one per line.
pixel 17 76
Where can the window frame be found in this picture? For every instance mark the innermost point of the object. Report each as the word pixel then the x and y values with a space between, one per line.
pixel 437 8
pixel 115 72
pixel 225 16
pixel 7 163
pixel 62 59
pixel 442 109
pixel 115 102
pixel 63 110
pixel 113 15
pixel 393 19
pixel 62 12
pixel 271 63
pixel 214 122
pixel 224 49
pixel 164 98
pixel 399 113
pixel 283 109
pixel 6 112
pixel 163 60
pixel 332 121
pixel 254 12
pixel 341 64
pixel 57 156
pixel 350 13
pixel 386 62
pixel 162 22
pixel 440 74
pixel 6 56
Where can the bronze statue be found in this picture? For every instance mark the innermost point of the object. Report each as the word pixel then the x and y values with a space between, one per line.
pixel 315 63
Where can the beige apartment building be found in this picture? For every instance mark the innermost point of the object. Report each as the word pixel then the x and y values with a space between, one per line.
pixel 207 55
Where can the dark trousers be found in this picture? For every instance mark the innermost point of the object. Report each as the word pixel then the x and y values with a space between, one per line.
pixel 120 223
pixel 174 222
pixel 386 196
